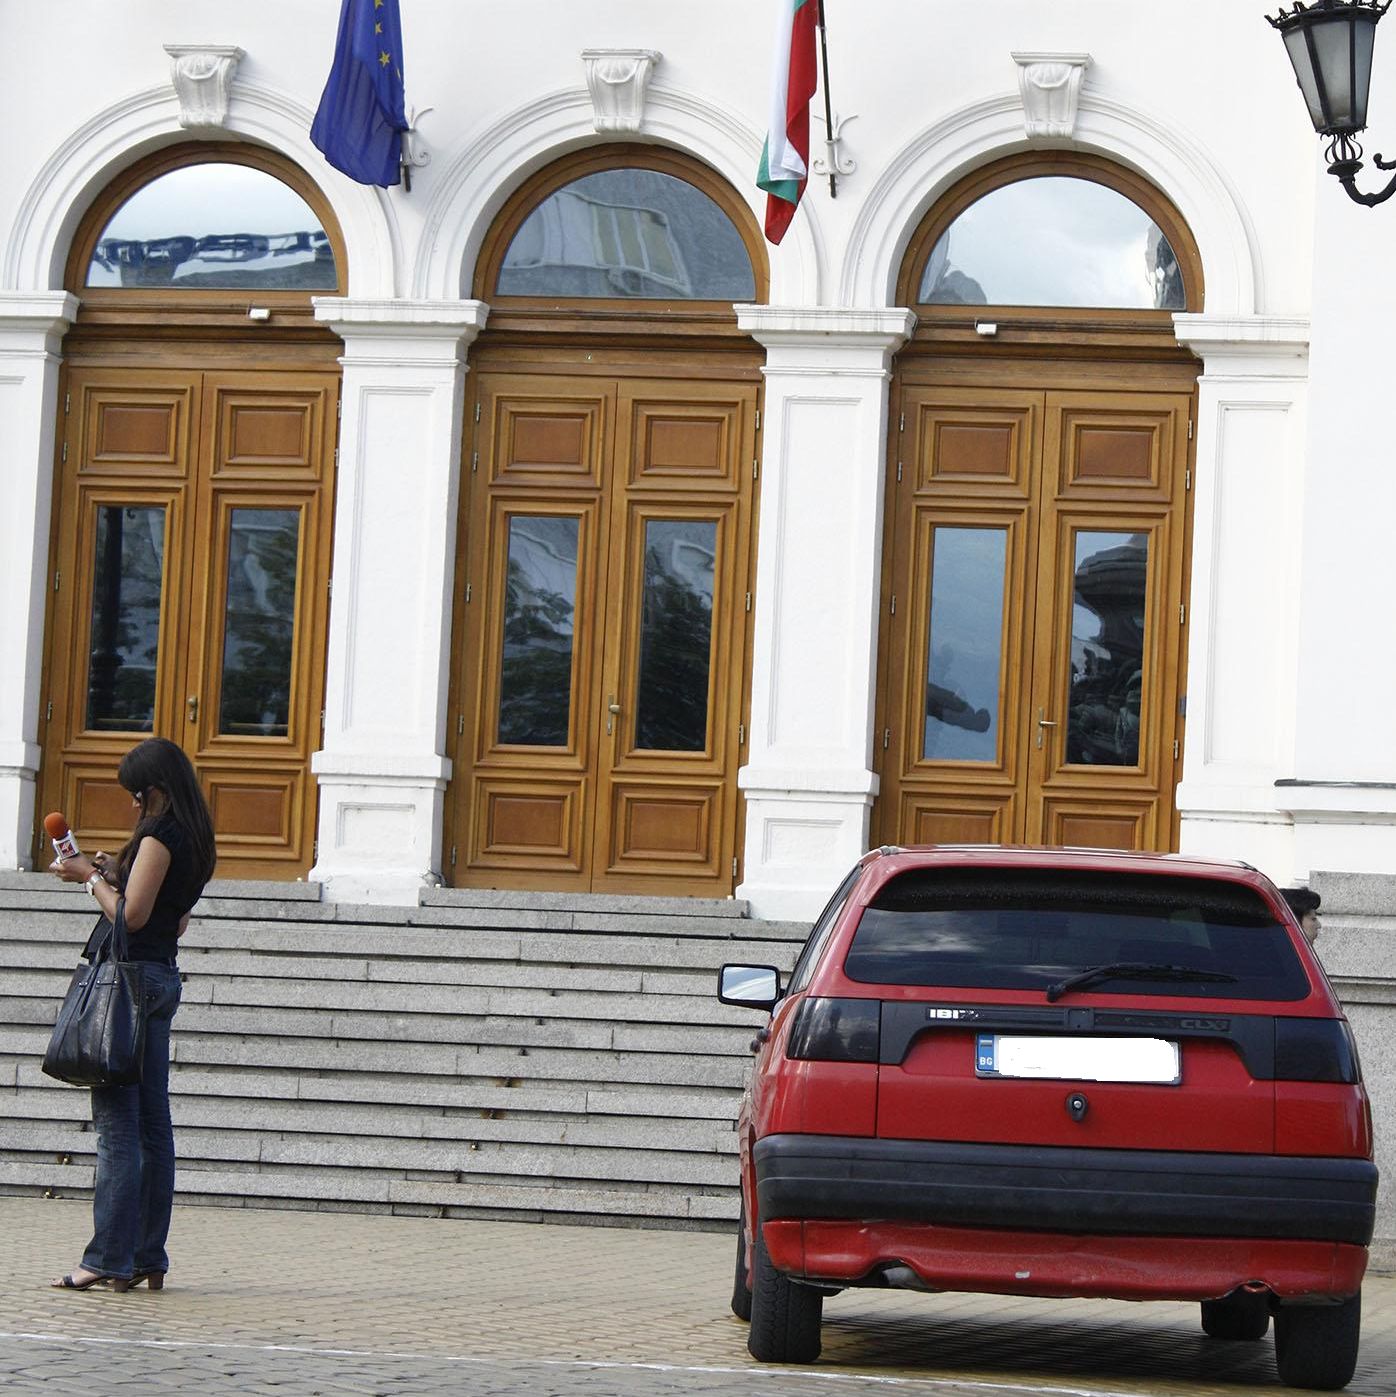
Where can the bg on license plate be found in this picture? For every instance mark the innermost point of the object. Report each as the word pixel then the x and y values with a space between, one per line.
pixel 1078 1059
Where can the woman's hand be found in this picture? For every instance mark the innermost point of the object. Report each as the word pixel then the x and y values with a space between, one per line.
pixel 76 870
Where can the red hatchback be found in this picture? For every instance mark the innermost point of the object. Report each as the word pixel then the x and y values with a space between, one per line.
pixel 1057 1072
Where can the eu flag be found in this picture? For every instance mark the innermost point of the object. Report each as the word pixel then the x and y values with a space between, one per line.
pixel 359 125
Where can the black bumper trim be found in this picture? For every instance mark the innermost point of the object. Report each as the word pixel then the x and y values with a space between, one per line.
pixel 1049 1189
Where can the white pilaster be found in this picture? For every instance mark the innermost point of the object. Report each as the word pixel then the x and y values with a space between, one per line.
pixel 808 780
pixel 31 328
pixel 1244 596
pixel 383 769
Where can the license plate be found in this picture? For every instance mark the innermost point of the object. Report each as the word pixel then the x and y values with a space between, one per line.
pixel 1078 1059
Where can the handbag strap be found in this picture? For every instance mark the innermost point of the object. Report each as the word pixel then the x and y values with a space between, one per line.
pixel 116 942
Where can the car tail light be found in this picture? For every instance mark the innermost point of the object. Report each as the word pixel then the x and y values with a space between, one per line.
pixel 836 1030
pixel 1315 1050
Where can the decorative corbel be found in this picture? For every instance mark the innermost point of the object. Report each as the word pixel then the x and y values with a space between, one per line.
pixel 1050 84
pixel 618 80
pixel 202 75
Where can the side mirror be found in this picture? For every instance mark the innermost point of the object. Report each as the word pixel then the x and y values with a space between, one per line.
pixel 749 986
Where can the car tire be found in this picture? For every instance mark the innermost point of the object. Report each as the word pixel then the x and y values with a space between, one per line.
pixel 1316 1345
pixel 741 1288
pixel 785 1315
pixel 1242 1315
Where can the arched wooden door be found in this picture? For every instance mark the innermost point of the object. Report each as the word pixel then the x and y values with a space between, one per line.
pixel 603 599
pixel 1033 639
pixel 194 502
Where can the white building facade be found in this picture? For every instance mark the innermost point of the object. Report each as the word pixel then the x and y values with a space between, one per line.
pixel 1153 524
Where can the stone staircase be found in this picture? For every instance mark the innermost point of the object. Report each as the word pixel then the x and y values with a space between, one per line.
pixel 485 1054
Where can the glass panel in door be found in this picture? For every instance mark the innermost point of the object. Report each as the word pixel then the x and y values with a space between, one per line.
pixel 259 622
pixel 127 578
pixel 676 629
pixel 1108 644
pixel 965 645
pixel 540 610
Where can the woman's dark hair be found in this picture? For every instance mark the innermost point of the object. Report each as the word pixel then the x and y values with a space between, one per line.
pixel 1301 900
pixel 157 764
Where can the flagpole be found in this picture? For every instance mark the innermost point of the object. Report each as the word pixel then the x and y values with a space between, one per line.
pixel 828 106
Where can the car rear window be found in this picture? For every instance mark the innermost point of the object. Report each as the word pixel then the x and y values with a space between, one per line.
pixel 1027 929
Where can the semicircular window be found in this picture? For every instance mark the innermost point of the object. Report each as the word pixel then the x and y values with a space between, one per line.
pixel 1054 240
pixel 215 226
pixel 628 233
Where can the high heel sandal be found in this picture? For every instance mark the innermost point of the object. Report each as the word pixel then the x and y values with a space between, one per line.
pixel 155 1280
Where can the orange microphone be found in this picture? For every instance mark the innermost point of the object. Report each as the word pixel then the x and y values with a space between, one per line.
pixel 56 827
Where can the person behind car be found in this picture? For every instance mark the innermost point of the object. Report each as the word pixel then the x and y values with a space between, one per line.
pixel 1304 903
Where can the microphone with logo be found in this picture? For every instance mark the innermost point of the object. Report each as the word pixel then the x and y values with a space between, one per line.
pixel 56 827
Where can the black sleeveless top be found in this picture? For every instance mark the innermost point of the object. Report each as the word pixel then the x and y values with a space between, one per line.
pixel 158 939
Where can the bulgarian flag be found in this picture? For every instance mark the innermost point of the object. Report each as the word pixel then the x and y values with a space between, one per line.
pixel 785 158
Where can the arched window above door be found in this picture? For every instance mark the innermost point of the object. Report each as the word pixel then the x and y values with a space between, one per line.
pixel 1066 232
pixel 624 225
pixel 214 226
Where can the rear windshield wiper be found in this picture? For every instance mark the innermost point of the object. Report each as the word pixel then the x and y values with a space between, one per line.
pixel 1134 970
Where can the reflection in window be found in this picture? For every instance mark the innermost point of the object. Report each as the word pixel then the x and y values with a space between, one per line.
pixel 965 645
pixel 1054 241
pixel 676 629
pixel 1107 649
pixel 540 607
pixel 260 623
pixel 215 226
pixel 128 569
pixel 631 233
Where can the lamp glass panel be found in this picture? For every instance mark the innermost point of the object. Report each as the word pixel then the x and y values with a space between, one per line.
pixel 1364 35
pixel 1333 50
pixel 1297 46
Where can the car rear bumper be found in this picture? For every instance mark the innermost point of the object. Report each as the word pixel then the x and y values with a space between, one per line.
pixel 1055 1265
pixel 1133 1193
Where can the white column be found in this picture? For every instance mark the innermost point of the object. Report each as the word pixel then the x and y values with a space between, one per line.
pixel 1244 597
pixel 383 769
pixel 808 780
pixel 31 328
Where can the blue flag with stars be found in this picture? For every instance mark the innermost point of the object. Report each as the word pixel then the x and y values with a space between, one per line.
pixel 359 125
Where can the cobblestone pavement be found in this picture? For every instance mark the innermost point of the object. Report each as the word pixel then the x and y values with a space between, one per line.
pixel 307 1303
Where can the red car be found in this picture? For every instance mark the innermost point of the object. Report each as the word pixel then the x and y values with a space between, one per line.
pixel 1057 1072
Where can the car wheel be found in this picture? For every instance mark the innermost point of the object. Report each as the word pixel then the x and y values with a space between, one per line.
pixel 1316 1345
pixel 741 1287
pixel 1239 1316
pixel 784 1314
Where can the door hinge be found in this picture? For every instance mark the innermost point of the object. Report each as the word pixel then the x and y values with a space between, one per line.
pixel 734 865
pixel 336 458
pixel 56 576
pixel 67 403
pixel 64 456
pixel 748 601
pixel 741 734
pixel 339 409
pixel 758 419
pixel 755 468
pixel 329 586
pixel 1182 613
pixel 322 724
pixel 901 421
pixel 1176 749
pixel 1189 428
pixel 477 412
pixel 899 472
pixel 453 855
pixel 474 461
pixel 886 738
pixel 460 724
pixel 48 711
pixel 314 851
pixel 1187 477
pixel 468 590
pixel 894 603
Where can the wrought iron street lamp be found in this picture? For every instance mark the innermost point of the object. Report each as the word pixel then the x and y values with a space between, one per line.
pixel 1329 42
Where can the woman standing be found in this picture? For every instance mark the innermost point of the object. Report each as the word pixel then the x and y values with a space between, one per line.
pixel 159 875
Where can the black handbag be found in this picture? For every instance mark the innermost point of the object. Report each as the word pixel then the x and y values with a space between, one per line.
pixel 99 1037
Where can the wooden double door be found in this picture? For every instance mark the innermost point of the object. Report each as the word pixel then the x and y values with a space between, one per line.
pixel 190 597
pixel 604 600
pixel 1034 634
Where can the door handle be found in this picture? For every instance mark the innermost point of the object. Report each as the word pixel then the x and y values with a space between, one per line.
pixel 612 708
pixel 192 703
pixel 1043 722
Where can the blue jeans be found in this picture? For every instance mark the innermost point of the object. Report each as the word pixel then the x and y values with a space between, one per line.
pixel 134 1188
